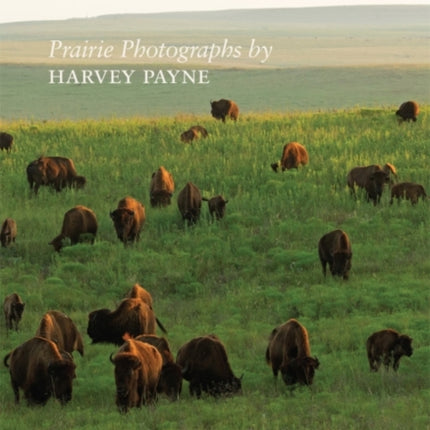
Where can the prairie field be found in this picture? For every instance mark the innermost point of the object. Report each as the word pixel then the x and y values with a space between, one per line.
pixel 239 277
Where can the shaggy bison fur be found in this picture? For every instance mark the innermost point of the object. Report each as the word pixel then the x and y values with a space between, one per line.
pixel 293 155
pixel 409 191
pixel 224 108
pixel 161 188
pixel 8 232
pixel 128 219
pixel 13 308
pixel 193 133
pixel 408 111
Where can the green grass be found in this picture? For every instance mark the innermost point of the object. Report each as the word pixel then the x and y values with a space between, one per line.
pixel 237 278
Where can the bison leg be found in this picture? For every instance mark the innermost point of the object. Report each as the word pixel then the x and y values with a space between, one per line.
pixel 15 388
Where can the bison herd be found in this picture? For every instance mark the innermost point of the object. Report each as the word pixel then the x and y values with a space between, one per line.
pixel 144 366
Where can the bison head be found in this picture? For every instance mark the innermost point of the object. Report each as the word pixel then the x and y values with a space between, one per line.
pixel 300 370
pixel 123 220
pixel 341 264
pixel 98 325
pixel 57 242
pixel 160 198
pixel 403 346
pixel 170 382
pixel 62 373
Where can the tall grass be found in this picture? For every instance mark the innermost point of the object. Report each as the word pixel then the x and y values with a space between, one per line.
pixel 237 278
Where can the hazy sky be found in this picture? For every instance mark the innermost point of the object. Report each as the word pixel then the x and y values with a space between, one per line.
pixel 30 10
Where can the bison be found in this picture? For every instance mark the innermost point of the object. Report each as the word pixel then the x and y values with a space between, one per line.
pixel 132 316
pixel 170 382
pixel 128 219
pixel 387 346
pixel 293 155
pixel 137 372
pixel 161 188
pixel 57 172
pixel 78 222
pixel 6 141
pixel 59 328
pixel 371 179
pixel 205 365
pixel 8 232
pixel 190 203
pixel 408 111
pixel 138 292
pixel 409 191
pixel 289 351
pixel 334 248
pixel 193 133
pixel 224 108
pixel 216 206
pixel 41 371
pixel 13 308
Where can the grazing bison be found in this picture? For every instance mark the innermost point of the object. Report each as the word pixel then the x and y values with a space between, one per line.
pixel 128 219
pixel 6 141
pixel 137 371
pixel 362 178
pixel 161 188
pixel 77 222
pixel 170 382
pixel 190 203
pixel 138 292
pixel 293 155
pixel 132 316
pixel 193 133
pixel 57 172
pixel 408 111
pixel 387 346
pixel 41 371
pixel 334 248
pixel 409 191
pixel 59 328
pixel 216 206
pixel 224 108
pixel 289 352
pixel 205 365
pixel 13 308
pixel 8 232
pixel 375 185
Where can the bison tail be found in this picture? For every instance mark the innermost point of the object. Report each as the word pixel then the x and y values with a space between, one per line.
pixel 6 359
pixel 161 326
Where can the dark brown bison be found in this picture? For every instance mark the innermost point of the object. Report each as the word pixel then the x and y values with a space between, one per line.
pixel 8 232
pixel 41 371
pixel 60 328
pixel 138 292
pixel 409 191
pixel 193 133
pixel 6 141
pixel 224 108
pixel 334 248
pixel 387 346
pixel 161 188
pixel 78 223
pixel 190 203
pixel 408 111
pixel 205 365
pixel 13 308
pixel 375 185
pixel 293 155
pixel 57 172
pixel 128 219
pixel 170 382
pixel 132 316
pixel 289 352
pixel 362 177
pixel 137 371
pixel 217 206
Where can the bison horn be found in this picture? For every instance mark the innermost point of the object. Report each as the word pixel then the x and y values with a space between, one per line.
pixel 110 358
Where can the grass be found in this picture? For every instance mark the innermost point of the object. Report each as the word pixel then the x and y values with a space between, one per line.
pixel 237 278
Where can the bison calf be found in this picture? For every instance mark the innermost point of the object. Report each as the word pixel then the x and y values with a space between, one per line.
pixel 387 346
pixel 289 352
pixel 293 155
pixel 40 370
pixel 13 308
pixel 224 108
pixel 334 248
pixel 161 188
pixel 8 232
pixel 408 111
pixel 217 206
pixel 128 219
pixel 78 221
pixel 409 191
pixel 193 133
pixel 6 141
pixel 205 365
